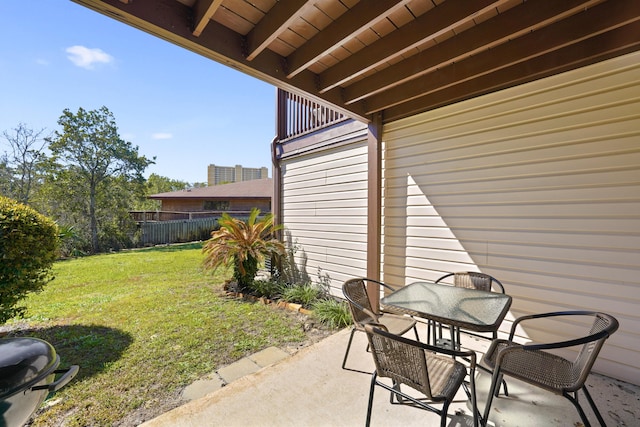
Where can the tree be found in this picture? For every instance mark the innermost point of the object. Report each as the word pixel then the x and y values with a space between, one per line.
pixel 5 175
pixel 23 162
pixel 97 173
pixel 28 243
pixel 158 184
pixel 243 245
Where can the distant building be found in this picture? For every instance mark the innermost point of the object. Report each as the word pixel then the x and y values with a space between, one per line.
pixel 225 174
pixel 236 198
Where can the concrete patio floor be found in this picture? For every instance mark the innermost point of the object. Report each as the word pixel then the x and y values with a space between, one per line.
pixel 309 388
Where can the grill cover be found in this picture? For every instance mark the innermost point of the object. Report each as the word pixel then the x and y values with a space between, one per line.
pixel 23 363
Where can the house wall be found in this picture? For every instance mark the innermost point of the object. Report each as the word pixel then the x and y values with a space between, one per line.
pixel 191 205
pixel 537 185
pixel 324 210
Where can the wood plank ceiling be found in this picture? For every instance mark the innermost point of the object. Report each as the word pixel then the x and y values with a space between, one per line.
pixel 390 57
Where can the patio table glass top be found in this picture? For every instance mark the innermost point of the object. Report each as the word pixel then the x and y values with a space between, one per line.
pixel 471 309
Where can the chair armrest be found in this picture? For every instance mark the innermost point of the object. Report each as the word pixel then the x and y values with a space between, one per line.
pixel 544 315
pixel 388 287
pixel 568 343
pixel 384 285
pixel 558 344
pixel 444 277
pixel 499 283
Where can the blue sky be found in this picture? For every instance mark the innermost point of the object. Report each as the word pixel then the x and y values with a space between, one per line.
pixel 184 109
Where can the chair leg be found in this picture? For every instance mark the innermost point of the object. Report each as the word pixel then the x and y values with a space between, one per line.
pixel 399 398
pixel 470 391
pixel 371 390
pixel 593 406
pixel 443 414
pixel 504 383
pixel 493 390
pixel 474 401
pixel 504 386
pixel 346 353
pixel 574 400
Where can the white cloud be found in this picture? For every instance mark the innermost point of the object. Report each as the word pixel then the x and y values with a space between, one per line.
pixel 86 58
pixel 162 135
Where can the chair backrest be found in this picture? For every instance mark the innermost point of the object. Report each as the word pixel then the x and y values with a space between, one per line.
pixel 396 358
pixel 474 280
pixel 603 326
pixel 355 291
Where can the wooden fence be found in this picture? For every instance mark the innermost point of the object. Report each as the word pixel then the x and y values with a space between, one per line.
pixel 154 233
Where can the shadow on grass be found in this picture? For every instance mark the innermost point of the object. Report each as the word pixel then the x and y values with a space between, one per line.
pixel 92 347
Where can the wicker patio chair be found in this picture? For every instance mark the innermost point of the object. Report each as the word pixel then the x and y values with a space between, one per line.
pixel 432 371
pixel 355 291
pixel 532 364
pixel 470 280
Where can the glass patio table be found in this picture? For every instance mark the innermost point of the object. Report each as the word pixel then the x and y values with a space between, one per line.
pixel 471 309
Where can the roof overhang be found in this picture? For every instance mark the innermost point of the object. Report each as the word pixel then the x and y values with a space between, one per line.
pixel 393 58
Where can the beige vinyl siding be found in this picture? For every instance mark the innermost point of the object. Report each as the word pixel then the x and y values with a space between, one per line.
pixel 538 185
pixel 325 212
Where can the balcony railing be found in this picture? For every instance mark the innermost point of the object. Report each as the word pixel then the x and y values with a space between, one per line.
pixel 298 116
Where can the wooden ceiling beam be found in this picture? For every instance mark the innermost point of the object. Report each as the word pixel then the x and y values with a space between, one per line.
pixel 171 20
pixel 509 25
pixel 203 11
pixel 357 19
pixel 604 17
pixel 281 16
pixel 599 48
pixel 427 27
pixel 226 47
pixel 530 40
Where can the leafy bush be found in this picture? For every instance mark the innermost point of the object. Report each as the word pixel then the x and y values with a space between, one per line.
pixel 28 245
pixel 265 288
pixel 305 294
pixel 69 241
pixel 243 245
pixel 333 313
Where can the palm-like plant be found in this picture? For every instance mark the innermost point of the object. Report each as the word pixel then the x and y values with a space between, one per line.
pixel 243 245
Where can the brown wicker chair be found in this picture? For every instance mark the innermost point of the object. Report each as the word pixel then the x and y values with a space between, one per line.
pixel 432 371
pixel 355 291
pixel 532 364
pixel 470 280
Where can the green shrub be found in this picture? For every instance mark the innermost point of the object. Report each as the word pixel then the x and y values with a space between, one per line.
pixel 265 288
pixel 305 294
pixel 28 245
pixel 70 242
pixel 242 244
pixel 333 313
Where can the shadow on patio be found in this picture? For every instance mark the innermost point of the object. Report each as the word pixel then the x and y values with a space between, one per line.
pixel 310 389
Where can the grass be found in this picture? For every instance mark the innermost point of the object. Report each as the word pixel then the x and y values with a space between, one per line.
pixel 141 325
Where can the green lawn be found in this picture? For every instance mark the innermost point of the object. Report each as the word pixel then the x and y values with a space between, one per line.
pixel 142 325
